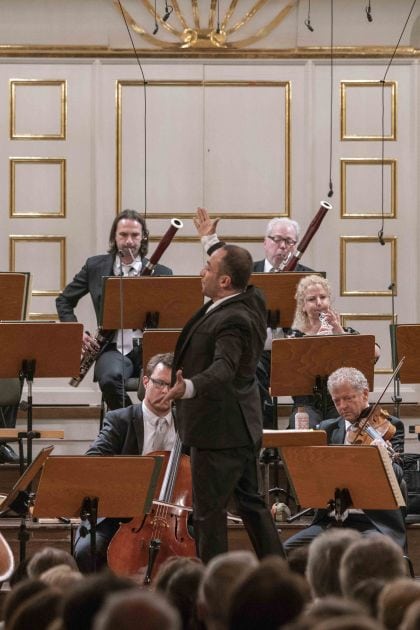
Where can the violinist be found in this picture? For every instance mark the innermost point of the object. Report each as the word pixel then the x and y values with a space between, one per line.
pixel 314 315
pixel 349 390
pixel 135 430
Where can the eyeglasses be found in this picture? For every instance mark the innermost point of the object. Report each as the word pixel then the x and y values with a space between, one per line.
pixel 160 384
pixel 279 239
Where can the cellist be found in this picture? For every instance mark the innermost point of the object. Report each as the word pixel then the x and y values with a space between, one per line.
pixel 135 430
pixel 349 390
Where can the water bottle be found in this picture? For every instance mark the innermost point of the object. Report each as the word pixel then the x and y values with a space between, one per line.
pixel 281 512
pixel 301 420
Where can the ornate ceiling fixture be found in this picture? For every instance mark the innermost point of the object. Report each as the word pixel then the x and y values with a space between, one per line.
pixel 203 25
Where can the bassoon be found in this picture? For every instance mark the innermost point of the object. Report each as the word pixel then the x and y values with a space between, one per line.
pixel 307 237
pixel 104 337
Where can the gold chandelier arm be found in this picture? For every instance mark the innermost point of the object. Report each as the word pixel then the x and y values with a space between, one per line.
pixel 196 14
pixel 228 14
pixel 179 14
pixel 212 13
pixel 248 16
pixel 265 30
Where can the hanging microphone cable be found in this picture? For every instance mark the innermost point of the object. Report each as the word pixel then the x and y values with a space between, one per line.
pixel 144 175
pixel 381 230
pixel 330 185
pixel 145 103
pixel 308 19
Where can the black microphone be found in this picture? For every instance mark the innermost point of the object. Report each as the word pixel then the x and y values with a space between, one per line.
pixel 381 237
pixel 168 11
pixel 309 25
pixel 155 30
pixel 391 287
pixel 369 13
pixel 331 191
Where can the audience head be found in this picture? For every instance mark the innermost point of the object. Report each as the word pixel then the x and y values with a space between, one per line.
pixel 324 556
pixel 297 559
pixel 221 576
pixel 61 577
pixel 133 609
pixel 37 612
pixel 281 237
pixel 395 599
pixel 367 593
pixel 19 594
pixel 313 295
pixel 88 596
pixel 329 607
pixel 375 556
pixel 269 596
pixel 411 619
pixel 49 557
pixel 181 591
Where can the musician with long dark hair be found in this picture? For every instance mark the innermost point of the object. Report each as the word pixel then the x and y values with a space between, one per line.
pixel 128 243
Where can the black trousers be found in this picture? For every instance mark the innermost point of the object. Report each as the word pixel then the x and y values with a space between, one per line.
pixel 218 476
pixel 112 369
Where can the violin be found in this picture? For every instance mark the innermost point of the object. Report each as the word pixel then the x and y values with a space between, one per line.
pixel 373 424
pixel 140 546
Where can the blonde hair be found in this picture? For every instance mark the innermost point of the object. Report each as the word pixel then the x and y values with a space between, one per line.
pixel 301 320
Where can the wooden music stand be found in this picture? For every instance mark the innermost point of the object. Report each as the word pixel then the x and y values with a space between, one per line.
pixel 408 346
pixel 309 358
pixel 279 290
pixel 150 301
pixel 338 475
pixel 289 437
pixel 97 487
pixel 49 349
pixel 157 341
pixel 14 289
pixel 18 498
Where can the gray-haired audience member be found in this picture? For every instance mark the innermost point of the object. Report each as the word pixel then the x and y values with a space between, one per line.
pixel 49 557
pixel 221 577
pixel 324 558
pixel 374 556
pixel 132 610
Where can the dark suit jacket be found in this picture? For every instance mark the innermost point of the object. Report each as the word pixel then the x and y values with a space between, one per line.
pixel 219 351
pixel 258 267
pixel 89 280
pixel 390 522
pixel 121 434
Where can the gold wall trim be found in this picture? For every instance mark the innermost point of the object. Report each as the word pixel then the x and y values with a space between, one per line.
pixel 14 239
pixel 346 240
pixel 346 318
pixel 15 83
pixel 120 84
pixel 14 162
pixel 304 52
pixel 345 86
pixel 347 162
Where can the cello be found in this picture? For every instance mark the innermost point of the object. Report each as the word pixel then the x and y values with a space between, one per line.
pixel 140 546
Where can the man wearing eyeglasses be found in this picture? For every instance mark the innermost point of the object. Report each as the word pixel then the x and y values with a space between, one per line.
pixel 135 430
pixel 281 238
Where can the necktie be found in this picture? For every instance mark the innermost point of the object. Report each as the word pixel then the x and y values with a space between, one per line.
pixel 161 427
